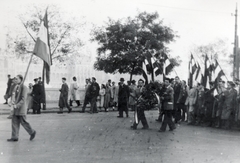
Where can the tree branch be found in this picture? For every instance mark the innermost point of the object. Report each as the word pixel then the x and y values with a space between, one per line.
pixel 60 41
pixel 28 31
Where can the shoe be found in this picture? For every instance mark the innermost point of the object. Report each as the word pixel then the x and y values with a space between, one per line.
pixel 127 115
pixel 60 112
pixel 158 120
pixel 9 117
pixel 120 116
pixel 81 111
pixel 95 112
pixel 133 127
pixel 90 112
pixel 161 130
pixel 12 140
pixel 171 129
pixel 145 128
pixel 33 135
pixel 5 103
pixel 69 110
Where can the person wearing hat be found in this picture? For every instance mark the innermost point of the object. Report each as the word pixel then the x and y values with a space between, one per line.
pixel 123 96
pixel 36 96
pixel 229 105
pixel 63 99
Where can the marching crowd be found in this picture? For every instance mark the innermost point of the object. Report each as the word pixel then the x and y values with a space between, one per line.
pixel 217 106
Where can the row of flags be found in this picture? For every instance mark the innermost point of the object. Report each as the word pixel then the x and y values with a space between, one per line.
pixel 153 67
pixel 210 70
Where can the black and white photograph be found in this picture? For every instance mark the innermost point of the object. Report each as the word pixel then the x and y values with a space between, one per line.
pixel 110 81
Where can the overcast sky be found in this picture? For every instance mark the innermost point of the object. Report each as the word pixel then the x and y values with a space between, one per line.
pixel 197 22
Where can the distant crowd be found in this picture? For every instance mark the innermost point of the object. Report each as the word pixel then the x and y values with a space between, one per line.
pixel 217 106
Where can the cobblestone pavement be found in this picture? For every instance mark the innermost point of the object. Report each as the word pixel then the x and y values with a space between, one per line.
pixel 104 138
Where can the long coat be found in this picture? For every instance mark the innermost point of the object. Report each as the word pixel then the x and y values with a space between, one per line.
pixel 132 97
pixel 21 100
pixel 114 93
pixel 123 94
pixel 168 98
pixel 74 91
pixel 191 99
pixel 63 98
pixel 107 97
pixel 229 103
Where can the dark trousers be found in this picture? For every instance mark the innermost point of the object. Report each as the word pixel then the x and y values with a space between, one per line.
pixel 122 107
pixel 167 120
pixel 36 107
pixel 86 101
pixel 141 118
pixel 77 101
pixel 16 121
pixel 93 104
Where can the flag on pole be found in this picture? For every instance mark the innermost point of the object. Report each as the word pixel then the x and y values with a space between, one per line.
pixel 206 76
pixel 41 48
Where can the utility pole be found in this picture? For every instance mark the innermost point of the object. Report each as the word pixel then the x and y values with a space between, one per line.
pixel 235 50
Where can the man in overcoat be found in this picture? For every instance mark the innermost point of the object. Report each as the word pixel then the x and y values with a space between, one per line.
pixel 94 92
pixel 9 83
pixel 63 98
pixel 168 99
pixel 229 105
pixel 123 96
pixel 20 111
pixel 36 96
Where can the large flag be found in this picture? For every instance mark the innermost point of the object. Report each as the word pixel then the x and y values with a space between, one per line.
pixel 217 71
pixel 207 71
pixel 42 46
pixel 190 73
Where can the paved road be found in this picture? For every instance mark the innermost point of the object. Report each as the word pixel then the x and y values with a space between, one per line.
pixel 104 138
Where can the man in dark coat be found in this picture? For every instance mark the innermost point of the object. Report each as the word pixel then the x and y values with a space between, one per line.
pixel 37 95
pixel 168 99
pixel 123 96
pixel 63 99
pixel 93 93
pixel 176 106
pixel 9 83
pixel 182 99
pixel 229 105
pixel 87 97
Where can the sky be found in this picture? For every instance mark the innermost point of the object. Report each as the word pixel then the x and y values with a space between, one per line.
pixel 197 22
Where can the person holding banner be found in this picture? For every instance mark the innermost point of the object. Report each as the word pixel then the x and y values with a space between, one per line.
pixel 20 111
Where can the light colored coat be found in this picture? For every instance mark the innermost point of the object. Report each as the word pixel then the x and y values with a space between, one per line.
pixel 191 99
pixel 74 91
pixel 21 100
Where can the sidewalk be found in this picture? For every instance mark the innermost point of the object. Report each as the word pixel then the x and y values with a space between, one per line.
pixel 50 108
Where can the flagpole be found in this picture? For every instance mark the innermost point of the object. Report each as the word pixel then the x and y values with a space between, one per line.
pixel 223 72
pixel 30 61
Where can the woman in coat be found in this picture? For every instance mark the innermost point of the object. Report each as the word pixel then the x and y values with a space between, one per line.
pixel 107 97
pixel 102 95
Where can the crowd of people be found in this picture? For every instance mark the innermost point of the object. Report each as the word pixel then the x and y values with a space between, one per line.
pixel 217 106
